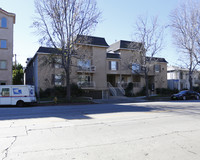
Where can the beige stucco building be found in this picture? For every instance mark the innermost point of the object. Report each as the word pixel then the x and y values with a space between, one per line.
pixel 105 70
pixel 6 46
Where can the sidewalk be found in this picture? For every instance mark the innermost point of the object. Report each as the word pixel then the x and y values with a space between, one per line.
pixel 120 99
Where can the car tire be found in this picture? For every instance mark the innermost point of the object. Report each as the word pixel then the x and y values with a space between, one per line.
pixel 197 97
pixel 184 98
pixel 20 103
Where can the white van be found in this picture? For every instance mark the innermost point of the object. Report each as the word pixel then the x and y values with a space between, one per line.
pixel 17 94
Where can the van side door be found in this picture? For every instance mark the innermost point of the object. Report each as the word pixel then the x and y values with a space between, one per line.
pixel 5 96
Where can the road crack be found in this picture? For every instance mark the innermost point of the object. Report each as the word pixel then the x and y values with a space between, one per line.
pixel 5 151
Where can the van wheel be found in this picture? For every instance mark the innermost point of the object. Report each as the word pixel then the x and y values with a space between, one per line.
pixel 197 97
pixel 20 103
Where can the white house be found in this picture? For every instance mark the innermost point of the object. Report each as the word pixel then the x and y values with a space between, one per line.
pixel 178 78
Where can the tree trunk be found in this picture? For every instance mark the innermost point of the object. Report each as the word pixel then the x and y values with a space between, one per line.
pixel 146 83
pixel 68 79
pixel 190 80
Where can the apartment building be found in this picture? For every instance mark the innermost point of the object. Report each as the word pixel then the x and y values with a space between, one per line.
pixel 101 71
pixel 178 78
pixel 7 21
pixel 129 67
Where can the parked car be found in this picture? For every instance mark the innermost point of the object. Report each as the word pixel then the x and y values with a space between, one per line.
pixel 185 94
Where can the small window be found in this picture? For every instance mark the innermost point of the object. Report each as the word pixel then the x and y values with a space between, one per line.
pixel 3 43
pixel 58 63
pixel 113 65
pixel 4 22
pixel 157 68
pixel 84 78
pixel 135 68
pixel 5 92
pixel 3 65
pixel 57 80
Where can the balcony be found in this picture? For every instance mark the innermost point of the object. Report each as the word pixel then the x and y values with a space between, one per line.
pixel 86 85
pixel 91 69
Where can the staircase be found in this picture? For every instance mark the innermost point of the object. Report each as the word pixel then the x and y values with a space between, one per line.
pixel 119 92
pixel 116 91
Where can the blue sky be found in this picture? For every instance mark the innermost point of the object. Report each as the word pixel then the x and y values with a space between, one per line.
pixel 118 18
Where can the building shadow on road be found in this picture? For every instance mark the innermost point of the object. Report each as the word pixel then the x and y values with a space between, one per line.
pixel 68 112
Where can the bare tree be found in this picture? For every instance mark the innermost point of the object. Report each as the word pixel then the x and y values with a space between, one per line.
pixel 59 22
pixel 185 23
pixel 150 35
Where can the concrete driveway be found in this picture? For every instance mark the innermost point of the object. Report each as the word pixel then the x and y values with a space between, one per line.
pixel 122 131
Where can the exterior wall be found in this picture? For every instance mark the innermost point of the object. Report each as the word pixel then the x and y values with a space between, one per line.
pixel 99 60
pixel 7 53
pixel 161 77
pixel 45 72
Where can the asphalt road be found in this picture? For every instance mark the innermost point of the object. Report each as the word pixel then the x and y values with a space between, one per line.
pixel 123 131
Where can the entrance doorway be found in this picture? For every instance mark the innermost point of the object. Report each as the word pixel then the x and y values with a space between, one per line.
pixel 111 80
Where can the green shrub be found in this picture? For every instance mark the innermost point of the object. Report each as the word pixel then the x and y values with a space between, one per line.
pixel 75 90
pixel 142 92
pixel 129 90
pixel 60 92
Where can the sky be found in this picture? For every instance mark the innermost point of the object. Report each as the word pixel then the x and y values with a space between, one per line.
pixel 118 19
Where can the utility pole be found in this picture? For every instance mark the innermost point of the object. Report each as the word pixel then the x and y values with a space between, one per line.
pixel 15 61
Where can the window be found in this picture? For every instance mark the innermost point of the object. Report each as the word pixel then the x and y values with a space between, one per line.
pixel 135 68
pixel 3 43
pixel 4 22
pixel 113 65
pixel 84 78
pixel 3 64
pixel 181 75
pixel 85 81
pixel 84 64
pixel 157 68
pixel 58 63
pixel 5 92
pixel 2 83
pixel 57 80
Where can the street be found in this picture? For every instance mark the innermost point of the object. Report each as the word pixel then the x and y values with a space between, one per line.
pixel 122 131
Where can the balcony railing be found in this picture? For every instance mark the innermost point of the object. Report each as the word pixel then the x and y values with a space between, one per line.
pixel 86 85
pixel 125 84
pixel 90 69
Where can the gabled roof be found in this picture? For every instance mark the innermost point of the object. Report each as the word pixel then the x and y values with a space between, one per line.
pixel 157 59
pixel 8 14
pixel 47 50
pixel 90 40
pixel 130 45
